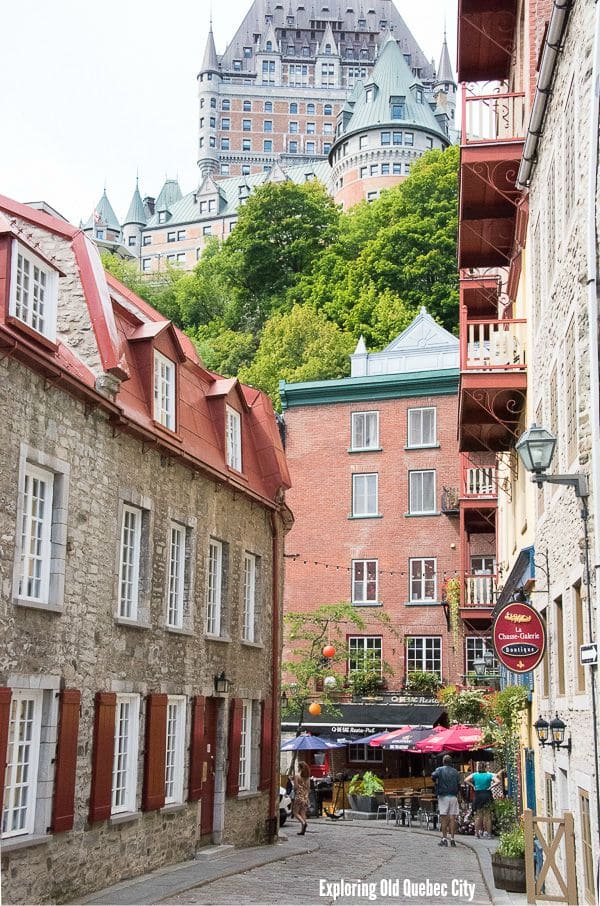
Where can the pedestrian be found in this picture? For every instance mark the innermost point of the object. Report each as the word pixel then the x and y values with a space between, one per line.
pixel 481 780
pixel 301 794
pixel 447 781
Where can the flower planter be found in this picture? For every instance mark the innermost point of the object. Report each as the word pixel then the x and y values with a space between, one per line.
pixel 509 873
pixel 366 803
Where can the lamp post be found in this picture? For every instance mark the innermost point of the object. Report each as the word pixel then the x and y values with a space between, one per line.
pixel 536 448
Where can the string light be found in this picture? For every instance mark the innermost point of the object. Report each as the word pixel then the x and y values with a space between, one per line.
pixel 381 572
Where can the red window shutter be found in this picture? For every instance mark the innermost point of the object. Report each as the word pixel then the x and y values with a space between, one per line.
pixel 63 810
pixel 196 748
pixel 5 697
pixel 235 734
pixel 102 756
pixel 266 744
pixel 153 795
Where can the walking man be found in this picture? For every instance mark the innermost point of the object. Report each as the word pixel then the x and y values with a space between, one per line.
pixel 447 780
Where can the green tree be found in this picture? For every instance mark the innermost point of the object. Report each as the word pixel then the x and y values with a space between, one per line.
pixel 300 345
pixel 127 271
pixel 223 350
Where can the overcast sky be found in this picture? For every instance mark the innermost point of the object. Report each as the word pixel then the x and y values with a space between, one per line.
pixel 90 93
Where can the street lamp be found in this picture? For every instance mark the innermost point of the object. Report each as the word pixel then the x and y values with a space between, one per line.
pixel 553 733
pixel 536 449
pixel 222 684
pixel 479 667
pixel 489 659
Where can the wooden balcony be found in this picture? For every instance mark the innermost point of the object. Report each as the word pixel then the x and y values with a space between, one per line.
pixel 478 598
pixel 480 293
pixel 492 115
pixel 480 484
pixel 486 37
pixel 492 344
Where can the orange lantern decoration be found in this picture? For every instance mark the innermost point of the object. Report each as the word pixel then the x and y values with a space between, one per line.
pixel 328 651
pixel 314 709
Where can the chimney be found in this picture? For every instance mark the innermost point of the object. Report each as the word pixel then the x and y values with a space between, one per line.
pixel 149 203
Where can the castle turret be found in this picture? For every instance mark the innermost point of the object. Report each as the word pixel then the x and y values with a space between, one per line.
pixel 134 222
pixel 209 79
pixel 102 224
pixel 444 86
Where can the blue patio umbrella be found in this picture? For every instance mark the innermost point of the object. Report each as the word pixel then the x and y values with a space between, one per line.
pixel 308 743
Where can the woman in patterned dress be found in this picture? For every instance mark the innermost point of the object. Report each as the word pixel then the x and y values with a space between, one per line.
pixel 301 790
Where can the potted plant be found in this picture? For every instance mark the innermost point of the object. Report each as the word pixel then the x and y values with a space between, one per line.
pixel 508 862
pixel 421 682
pixel 365 793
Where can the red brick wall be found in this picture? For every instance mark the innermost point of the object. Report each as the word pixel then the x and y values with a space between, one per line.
pixel 318 438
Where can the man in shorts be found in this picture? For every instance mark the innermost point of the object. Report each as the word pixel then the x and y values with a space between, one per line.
pixel 447 781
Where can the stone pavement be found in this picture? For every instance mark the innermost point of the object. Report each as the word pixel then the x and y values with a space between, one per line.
pixel 382 861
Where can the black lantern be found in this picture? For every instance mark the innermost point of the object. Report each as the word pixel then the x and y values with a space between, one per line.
pixel 542 729
pixel 536 449
pixel 489 659
pixel 557 731
pixel 222 684
pixel 479 666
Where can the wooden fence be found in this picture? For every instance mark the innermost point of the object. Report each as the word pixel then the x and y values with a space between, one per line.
pixel 555 836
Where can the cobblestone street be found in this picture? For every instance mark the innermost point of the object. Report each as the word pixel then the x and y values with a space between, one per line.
pixel 376 856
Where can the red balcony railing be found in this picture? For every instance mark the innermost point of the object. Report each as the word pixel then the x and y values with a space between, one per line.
pixel 480 590
pixel 492 345
pixel 497 116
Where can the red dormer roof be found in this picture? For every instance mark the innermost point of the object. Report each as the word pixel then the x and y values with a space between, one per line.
pixel 122 322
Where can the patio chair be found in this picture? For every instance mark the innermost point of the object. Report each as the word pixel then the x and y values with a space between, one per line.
pixel 428 811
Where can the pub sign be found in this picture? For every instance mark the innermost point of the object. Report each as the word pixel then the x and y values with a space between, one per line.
pixel 519 637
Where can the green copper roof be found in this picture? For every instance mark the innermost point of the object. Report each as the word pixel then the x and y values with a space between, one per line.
pixel 136 212
pixel 169 195
pixel 392 78
pixel 370 387
pixel 103 215
pixel 210 62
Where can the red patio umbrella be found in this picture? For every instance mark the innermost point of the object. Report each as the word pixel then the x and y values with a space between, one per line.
pixel 460 738
pixel 382 738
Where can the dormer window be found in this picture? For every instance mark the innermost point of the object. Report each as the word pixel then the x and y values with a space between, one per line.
pixel 419 95
pixel 162 216
pixel 398 108
pixel 328 48
pixel 269 47
pixel 369 95
pixel 33 291
pixel 164 391
pixel 233 435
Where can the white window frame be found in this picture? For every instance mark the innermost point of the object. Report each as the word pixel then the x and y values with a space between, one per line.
pixel 422 598
pixel 413 492
pixel 164 391
pixel 362 495
pixel 359 648
pixel 214 588
pixel 423 659
pixel 245 765
pixel 364 430
pixel 14 791
pixel 364 582
pixel 415 432
pixel 176 575
pixel 126 801
pixel 478 645
pixel 34 535
pixel 249 613
pixel 129 566
pixel 233 432
pixel 175 749
pixel 49 292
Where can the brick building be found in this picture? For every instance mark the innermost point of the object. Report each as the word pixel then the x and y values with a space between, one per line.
pixel 143 518
pixel 375 469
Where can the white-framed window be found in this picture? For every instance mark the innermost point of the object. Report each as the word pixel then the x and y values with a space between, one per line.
pixel 423 579
pixel 175 749
pixel 475 649
pixel 422 491
pixel 164 390
pixel 22 755
pixel 365 752
pixel 233 432
pixel 424 652
pixel 364 582
pixel 249 617
pixel 245 773
pixel 33 291
pixel 422 427
pixel 365 430
pixel 365 653
pixel 36 525
pixel 129 568
pixel 176 575
pixel 125 755
pixel 364 494
pixel 214 588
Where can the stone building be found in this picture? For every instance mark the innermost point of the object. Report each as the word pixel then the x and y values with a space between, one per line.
pixel 375 471
pixel 528 254
pixel 143 518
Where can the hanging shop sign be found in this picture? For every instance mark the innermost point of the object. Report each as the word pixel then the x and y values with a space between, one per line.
pixel 519 637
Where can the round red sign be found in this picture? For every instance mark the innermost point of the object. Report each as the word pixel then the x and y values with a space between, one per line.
pixel 519 637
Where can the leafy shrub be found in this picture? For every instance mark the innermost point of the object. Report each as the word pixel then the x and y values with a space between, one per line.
pixel 367 785
pixel 466 706
pixel 422 682
pixel 512 843
pixel 504 815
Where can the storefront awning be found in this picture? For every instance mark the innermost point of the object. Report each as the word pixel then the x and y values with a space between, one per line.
pixel 363 719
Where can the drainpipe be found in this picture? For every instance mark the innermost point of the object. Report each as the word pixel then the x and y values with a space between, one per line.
pixel 592 309
pixel 550 52
pixel 275 669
